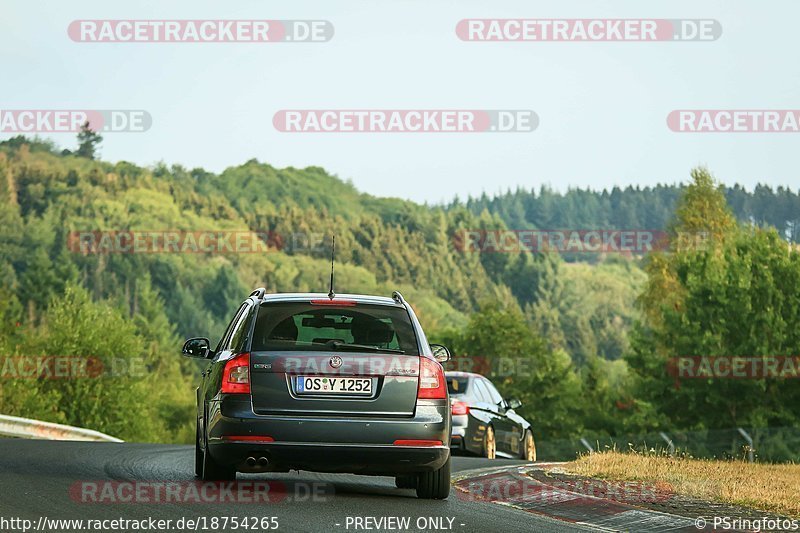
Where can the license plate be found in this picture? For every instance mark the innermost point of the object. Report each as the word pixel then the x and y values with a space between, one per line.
pixel 337 385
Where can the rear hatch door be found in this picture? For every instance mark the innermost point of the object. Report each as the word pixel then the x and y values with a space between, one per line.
pixel 337 358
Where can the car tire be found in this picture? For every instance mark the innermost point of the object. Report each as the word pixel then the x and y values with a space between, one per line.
pixel 528 447
pixel 489 444
pixel 213 471
pixel 406 481
pixel 434 485
pixel 198 452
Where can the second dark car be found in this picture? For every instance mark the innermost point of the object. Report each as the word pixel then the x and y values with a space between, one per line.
pixel 484 423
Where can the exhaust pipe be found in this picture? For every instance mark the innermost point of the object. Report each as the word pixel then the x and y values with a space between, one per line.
pixel 263 462
pixel 251 461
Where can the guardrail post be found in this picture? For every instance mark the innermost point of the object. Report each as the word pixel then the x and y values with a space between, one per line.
pixel 668 440
pixel 587 445
pixel 749 440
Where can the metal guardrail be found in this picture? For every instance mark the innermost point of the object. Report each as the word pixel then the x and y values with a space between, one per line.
pixel 766 445
pixel 26 428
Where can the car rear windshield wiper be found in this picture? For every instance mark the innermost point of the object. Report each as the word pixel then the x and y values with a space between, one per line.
pixel 339 345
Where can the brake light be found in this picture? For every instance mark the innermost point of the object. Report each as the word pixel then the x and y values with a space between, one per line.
pixel 236 376
pixel 431 380
pixel 338 303
pixel 460 408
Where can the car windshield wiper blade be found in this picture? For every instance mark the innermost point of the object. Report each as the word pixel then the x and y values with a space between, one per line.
pixel 338 344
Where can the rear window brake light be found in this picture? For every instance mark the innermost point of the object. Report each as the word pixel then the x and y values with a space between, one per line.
pixel 338 303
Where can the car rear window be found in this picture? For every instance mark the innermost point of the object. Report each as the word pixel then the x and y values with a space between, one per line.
pixel 457 385
pixel 299 326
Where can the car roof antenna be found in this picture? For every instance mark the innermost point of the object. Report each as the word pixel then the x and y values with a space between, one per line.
pixel 332 294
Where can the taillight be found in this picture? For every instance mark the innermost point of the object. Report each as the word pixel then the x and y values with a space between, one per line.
pixel 236 376
pixel 431 380
pixel 460 408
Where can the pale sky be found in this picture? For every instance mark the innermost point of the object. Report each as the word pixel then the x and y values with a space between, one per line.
pixel 602 106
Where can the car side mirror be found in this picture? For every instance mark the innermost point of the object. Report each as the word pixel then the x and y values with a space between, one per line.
pixel 199 347
pixel 514 403
pixel 440 353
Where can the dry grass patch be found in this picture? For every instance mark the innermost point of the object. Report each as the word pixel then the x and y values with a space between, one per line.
pixel 767 487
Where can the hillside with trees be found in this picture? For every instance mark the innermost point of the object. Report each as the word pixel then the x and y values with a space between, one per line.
pixel 593 333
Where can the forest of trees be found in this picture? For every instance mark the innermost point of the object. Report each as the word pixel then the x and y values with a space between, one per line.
pixel 649 208
pixel 597 334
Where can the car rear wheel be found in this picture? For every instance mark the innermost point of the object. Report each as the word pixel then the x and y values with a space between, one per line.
pixel 489 444
pixel 406 482
pixel 198 453
pixel 213 471
pixel 434 485
pixel 528 447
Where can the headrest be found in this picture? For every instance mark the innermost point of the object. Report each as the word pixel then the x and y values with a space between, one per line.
pixel 369 331
pixel 285 330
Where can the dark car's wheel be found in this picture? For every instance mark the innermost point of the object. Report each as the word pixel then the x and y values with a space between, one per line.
pixel 489 444
pixel 434 485
pixel 198 453
pixel 406 482
pixel 213 471
pixel 528 447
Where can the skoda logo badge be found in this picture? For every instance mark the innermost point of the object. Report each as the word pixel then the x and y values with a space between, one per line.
pixel 336 361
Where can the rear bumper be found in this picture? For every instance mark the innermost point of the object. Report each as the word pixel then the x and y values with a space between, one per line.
pixel 329 444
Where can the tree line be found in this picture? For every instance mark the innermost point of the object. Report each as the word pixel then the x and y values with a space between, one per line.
pixel 633 207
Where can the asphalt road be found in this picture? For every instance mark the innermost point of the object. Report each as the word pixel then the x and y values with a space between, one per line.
pixel 58 480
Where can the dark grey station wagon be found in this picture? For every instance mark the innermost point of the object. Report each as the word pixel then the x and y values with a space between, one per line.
pixel 347 383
